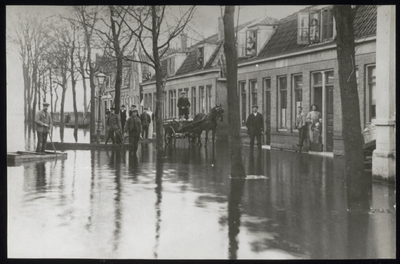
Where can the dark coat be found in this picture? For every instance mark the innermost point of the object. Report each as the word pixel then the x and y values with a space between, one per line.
pixel 113 122
pixel 183 102
pixel 255 124
pixel 133 125
pixel 123 116
pixel 145 118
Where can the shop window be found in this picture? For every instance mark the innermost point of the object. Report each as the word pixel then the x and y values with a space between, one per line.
pixel 282 102
pixel 297 84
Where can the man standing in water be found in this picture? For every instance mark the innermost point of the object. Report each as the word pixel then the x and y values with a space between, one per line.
pixel 44 124
pixel 133 127
pixel 255 126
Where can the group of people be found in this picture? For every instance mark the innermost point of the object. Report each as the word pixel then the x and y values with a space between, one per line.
pixel 312 121
pixel 132 125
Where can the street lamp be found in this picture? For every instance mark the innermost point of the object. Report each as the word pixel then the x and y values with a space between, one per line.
pixel 100 78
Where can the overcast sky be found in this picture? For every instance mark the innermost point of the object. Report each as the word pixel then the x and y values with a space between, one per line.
pixel 204 24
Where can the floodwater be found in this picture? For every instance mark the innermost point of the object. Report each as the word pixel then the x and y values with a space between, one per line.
pixel 111 204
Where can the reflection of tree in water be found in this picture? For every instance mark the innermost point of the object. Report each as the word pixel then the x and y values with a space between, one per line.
pixel 234 213
pixel 158 191
pixel 92 167
pixel 117 197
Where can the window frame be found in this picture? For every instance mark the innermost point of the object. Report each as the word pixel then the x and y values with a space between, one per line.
pixel 280 102
pixel 253 90
pixel 294 97
pixel 193 99
pixel 243 84
pixel 369 93
pixel 201 99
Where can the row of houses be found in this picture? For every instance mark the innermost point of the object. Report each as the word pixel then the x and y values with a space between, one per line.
pixel 282 64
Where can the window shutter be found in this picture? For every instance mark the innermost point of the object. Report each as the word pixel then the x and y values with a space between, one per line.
pixel 303 28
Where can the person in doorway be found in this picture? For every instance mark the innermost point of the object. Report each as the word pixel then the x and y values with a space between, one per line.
pixel 301 125
pixel 44 124
pixel 122 114
pixel 312 118
pixel 255 126
pixel 114 125
pixel 146 120
pixel 133 128
pixel 183 106
pixel 151 129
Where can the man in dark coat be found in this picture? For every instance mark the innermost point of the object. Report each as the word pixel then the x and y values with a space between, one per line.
pixel 43 126
pixel 145 119
pixel 133 107
pixel 255 126
pixel 114 125
pixel 183 106
pixel 122 114
pixel 133 127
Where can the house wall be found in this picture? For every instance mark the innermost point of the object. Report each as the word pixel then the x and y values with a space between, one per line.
pixel 305 65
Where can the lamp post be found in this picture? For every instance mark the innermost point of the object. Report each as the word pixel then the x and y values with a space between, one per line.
pixel 100 78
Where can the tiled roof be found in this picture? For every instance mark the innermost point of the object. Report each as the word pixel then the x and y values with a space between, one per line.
pixel 267 21
pixel 190 63
pixel 284 39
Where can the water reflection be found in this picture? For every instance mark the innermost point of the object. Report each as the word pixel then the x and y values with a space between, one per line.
pixel 124 205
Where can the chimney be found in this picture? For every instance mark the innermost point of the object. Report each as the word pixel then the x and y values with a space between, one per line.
pixel 220 28
pixel 183 42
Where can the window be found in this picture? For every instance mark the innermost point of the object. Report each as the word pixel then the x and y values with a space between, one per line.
pixel 253 88
pixel 297 95
pixel 200 57
pixel 315 26
pixel 370 108
pixel 243 104
pixel 282 102
pixel 251 43
pixel 193 101
pixel 171 103
pixel 267 107
pixel 201 103
pixel 208 99
pixel 171 66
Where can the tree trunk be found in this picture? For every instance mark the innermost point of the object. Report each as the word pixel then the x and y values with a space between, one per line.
pixel 84 88
pixel 75 108
pixel 26 92
pixel 118 84
pixel 51 96
pixel 357 182
pixel 235 141
pixel 159 91
pixel 34 82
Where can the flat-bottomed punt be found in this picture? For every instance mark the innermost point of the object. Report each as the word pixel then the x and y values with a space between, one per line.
pixel 24 156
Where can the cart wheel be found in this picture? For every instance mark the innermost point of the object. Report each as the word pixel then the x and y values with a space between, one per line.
pixel 169 135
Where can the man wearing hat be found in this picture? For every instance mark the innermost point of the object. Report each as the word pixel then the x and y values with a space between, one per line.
pixel 114 125
pixel 146 120
pixel 133 107
pixel 255 127
pixel 183 105
pixel 133 127
pixel 44 124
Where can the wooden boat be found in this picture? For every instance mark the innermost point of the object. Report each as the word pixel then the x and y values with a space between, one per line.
pixel 23 156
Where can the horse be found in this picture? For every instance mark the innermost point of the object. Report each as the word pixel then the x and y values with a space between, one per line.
pixel 209 122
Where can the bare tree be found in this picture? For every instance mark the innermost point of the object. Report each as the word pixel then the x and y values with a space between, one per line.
pixel 30 35
pixel 148 23
pixel 235 141
pixel 357 193
pixel 87 16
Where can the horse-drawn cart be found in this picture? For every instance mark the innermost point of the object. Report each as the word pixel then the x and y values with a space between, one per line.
pixel 174 129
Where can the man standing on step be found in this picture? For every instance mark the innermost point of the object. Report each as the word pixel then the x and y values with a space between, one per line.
pixel 255 126
pixel 183 106
pixel 122 113
pixel 44 124
pixel 114 126
pixel 146 120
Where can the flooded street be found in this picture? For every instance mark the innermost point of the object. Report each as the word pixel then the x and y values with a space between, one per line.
pixel 110 204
